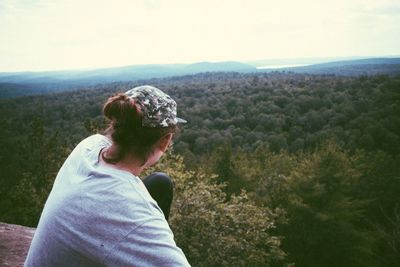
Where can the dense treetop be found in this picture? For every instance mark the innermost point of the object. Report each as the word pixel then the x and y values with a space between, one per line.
pixel 280 110
pixel 273 169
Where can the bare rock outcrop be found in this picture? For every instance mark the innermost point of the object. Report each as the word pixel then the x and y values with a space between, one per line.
pixel 14 244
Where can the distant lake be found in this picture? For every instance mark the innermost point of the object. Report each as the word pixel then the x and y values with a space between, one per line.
pixel 282 66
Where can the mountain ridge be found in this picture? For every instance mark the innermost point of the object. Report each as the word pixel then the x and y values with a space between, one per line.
pixel 14 84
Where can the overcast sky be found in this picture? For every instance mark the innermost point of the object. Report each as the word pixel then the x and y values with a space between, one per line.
pixel 68 34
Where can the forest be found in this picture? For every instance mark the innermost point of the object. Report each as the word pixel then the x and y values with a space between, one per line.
pixel 272 169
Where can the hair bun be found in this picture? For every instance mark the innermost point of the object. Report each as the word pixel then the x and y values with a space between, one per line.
pixel 121 109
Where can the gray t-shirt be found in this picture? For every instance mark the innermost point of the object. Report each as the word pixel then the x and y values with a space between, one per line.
pixel 101 216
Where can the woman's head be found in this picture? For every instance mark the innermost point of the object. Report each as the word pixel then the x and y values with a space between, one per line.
pixel 142 120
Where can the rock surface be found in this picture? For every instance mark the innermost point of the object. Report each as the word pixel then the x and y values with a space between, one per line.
pixel 14 244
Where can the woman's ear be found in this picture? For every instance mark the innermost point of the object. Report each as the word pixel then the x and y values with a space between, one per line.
pixel 165 142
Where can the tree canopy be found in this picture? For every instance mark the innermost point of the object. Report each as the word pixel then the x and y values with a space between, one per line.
pixel 273 169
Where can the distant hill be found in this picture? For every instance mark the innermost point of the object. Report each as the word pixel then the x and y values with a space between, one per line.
pixel 126 73
pixel 26 83
pixel 368 66
pixel 14 84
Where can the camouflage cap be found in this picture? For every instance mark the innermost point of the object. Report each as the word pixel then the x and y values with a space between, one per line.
pixel 159 109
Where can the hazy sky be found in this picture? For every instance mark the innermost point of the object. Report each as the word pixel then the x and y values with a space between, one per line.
pixel 69 34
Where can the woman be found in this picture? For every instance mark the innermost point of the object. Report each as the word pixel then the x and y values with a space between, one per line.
pixel 99 213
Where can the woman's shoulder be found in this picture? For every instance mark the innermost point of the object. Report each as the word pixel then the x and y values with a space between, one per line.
pixel 91 143
pixel 86 152
pixel 95 140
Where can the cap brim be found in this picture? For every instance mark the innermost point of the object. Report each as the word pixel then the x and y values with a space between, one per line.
pixel 181 121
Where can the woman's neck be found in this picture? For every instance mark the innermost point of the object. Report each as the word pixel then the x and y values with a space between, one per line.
pixel 130 164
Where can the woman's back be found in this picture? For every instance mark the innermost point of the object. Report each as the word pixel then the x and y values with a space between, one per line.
pixel 98 215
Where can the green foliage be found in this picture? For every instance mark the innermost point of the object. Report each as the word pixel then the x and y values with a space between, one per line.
pixel 40 158
pixel 380 183
pixel 215 232
pixel 306 200
pixel 341 208
pixel 323 215
pixel 221 163
pixel 287 111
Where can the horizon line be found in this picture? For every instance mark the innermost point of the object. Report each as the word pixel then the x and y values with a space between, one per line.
pixel 249 62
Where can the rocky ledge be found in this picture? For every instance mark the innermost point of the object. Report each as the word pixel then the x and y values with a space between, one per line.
pixel 14 244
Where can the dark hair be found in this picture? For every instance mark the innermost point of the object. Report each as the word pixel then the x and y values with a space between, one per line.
pixel 126 130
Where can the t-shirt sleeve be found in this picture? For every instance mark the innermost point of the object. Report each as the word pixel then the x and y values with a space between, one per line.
pixel 151 244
